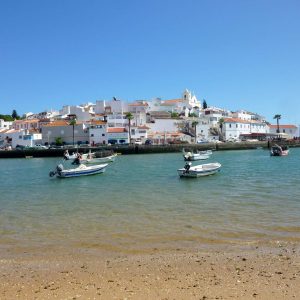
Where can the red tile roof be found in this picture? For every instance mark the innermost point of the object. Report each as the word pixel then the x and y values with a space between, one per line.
pixel 116 129
pixel 143 127
pixel 283 126
pixel 172 101
pixel 235 120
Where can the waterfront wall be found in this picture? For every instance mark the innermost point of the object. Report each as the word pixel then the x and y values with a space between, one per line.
pixel 141 149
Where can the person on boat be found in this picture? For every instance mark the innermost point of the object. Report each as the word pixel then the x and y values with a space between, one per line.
pixel 66 154
pixel 187 167
pixel 77 159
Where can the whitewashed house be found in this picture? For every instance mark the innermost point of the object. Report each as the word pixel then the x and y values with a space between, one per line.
pixel 83 112
pixel 286 131
pixel 63 130
pixel 188 103
pixel 117 135
pixel 21 137
pixel 113 106
pixel 98 133
pixel 235 128
pixel 139 132
pixel 5 124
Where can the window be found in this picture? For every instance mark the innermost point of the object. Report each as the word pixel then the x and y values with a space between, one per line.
pixel 229 125
pixel 92 134
pixel 103 134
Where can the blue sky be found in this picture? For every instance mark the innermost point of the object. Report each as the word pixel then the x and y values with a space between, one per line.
pixel 235 54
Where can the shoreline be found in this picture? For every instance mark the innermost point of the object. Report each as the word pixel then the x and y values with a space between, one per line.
pixel 142 149
pixel 236 273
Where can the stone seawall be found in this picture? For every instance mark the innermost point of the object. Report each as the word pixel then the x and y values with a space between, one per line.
pixel 140 149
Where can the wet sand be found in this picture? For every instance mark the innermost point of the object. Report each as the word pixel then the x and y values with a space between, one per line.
pixel 257 273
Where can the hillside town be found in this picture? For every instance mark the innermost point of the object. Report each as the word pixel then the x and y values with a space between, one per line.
pixel 158 121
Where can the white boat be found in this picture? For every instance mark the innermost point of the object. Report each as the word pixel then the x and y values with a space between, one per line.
pixel 199 170
pixel 81 170
pixel 191 156
pixel 277 150
pixel 98 160
pixel 209 152
pixel 74 155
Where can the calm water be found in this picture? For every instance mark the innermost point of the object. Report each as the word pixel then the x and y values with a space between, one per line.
pixel 140 203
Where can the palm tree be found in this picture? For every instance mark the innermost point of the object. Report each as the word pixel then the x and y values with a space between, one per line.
pixel 221 122
pixel 277 117
pixel 129 117
pixel 194 125
pixel 73 123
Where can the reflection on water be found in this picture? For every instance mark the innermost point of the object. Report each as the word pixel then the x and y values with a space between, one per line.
pixel 140 203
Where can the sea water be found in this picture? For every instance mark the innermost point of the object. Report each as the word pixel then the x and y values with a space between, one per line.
pixel 140 203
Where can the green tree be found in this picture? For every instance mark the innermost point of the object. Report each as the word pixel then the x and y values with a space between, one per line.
pixel 58 141
pixel 204 105
pixel 6 118
pixel 277 117
pixel 14 115
pixel 129 117
pixel 174 115
pixel 194 115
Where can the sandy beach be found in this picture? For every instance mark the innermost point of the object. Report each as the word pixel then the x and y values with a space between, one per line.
pixel 257 273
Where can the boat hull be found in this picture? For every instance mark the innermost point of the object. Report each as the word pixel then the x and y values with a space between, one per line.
pixel 99 160
pixel 195 157
pixel 81 171
pixel 200 170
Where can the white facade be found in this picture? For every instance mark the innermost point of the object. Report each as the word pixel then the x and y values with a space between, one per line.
pixel 289 131
pixel 5 124
pixel 117 135
pixel 98 133
pixel 83 113
pixel 164 125
pixel 190 100
pixel 21 137
pixel 114 106
pixel 116 120
pixel 139 132
pixel 234 127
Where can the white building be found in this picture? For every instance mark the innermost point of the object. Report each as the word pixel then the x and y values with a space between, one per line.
pixel 5 124
pixel 98 133
pixel 287 131
pixel 233 128
pixel 186 104
pixel 139 132
pixel 113 106
pixel 83 112
pixel 21 137
pixel 117 135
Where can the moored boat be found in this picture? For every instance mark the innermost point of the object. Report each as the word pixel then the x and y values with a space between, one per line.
pixel 277 150
pixel 81 170
pixel 98 160
pixel 199 170
pixel 192 156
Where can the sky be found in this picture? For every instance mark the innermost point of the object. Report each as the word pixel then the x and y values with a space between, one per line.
pixel 235 54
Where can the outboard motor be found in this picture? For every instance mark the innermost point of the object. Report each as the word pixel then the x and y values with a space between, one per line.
pixel 59 168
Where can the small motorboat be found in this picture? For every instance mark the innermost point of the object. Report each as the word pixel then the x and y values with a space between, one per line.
pixel 191 156
pixel 81 170
pixel 74 155
pixel 98 160
pixel 277 150
pixel 199 170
